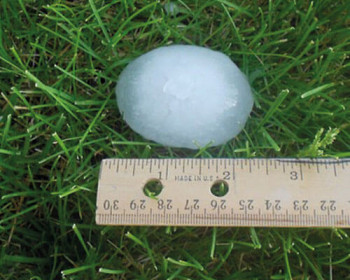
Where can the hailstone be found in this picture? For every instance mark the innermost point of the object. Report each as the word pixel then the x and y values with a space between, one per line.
pixel 184 96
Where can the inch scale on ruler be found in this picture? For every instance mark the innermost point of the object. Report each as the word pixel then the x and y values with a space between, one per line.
pixel 261 192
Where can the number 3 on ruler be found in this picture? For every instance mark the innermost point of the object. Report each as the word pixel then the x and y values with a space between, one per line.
pixel 293 175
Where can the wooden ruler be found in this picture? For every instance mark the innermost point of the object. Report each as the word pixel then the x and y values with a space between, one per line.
pixel 260 192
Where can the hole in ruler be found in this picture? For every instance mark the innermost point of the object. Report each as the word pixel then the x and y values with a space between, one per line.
pixel 219 188
pixel 152 188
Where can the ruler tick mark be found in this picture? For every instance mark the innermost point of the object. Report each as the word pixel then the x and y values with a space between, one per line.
pixel 233 171
pixel 150 166
pixel 167 171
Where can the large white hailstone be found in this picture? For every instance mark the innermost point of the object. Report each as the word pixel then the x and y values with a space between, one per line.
pixel 184 96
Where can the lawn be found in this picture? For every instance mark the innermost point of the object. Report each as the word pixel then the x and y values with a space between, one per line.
pixel 59 64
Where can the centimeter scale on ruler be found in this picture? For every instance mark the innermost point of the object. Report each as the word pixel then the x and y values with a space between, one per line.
pixel 274 192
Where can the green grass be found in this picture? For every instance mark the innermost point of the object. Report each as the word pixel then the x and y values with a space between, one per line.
pixel 59 63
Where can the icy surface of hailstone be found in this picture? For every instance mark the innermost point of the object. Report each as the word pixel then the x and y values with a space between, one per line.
pixel 184 96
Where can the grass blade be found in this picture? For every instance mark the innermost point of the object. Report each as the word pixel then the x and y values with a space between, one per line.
pixel 317 90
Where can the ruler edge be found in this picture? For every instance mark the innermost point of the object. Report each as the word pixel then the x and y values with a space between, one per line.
pixel 282 159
